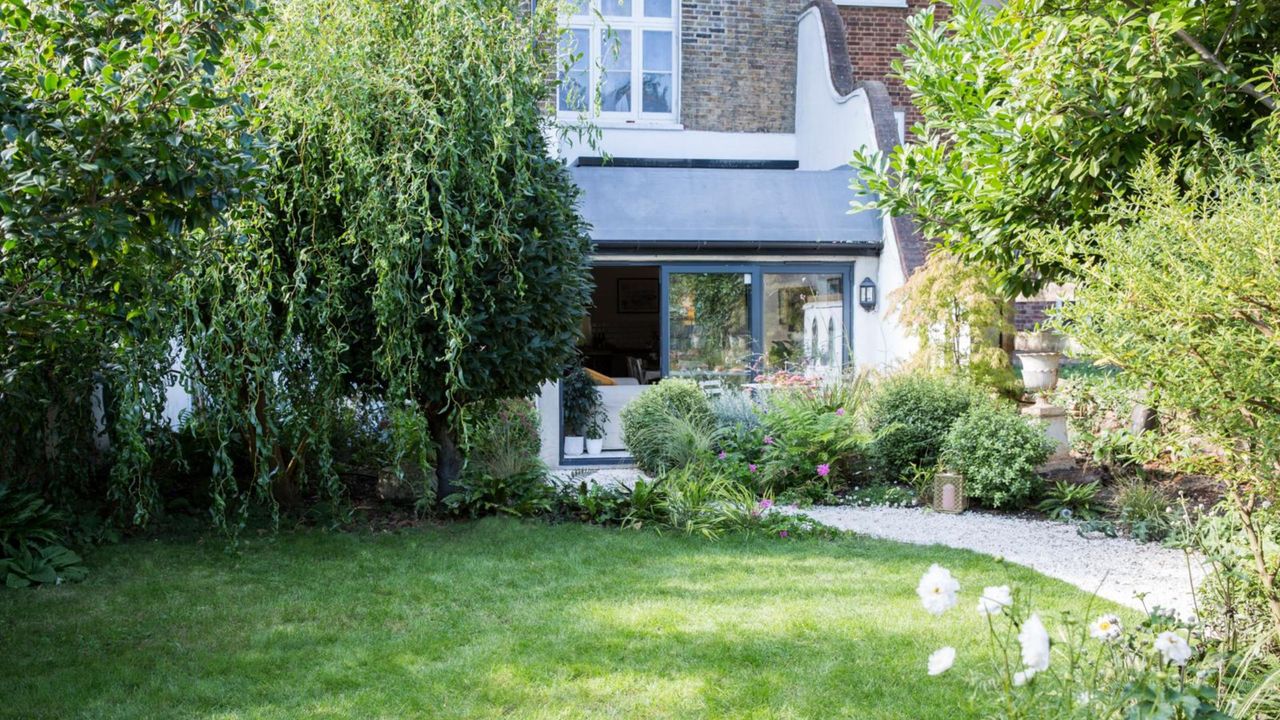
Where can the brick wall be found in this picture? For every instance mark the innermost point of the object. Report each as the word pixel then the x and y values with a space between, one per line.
pixel 739 65
pixel 1028 313
pixel 874 35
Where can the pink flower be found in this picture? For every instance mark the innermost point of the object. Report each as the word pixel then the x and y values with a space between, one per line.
pixel 840 412
pixel 782 533
pixel 768 439
pixel 824 470
pixel 723 455
pixel 751 467
pixel 766 503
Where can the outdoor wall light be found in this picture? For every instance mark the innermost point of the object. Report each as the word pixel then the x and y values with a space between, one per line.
pixel 867 294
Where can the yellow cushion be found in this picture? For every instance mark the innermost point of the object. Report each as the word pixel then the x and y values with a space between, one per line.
pixel 598 378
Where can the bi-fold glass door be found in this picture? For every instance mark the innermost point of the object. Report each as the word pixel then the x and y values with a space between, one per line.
pixel 733 322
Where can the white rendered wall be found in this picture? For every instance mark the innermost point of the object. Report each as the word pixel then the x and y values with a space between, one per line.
pixel 829 126
pixel 673 142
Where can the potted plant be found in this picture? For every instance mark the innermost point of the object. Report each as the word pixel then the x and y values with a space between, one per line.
pixel 595 428
pixel 579 399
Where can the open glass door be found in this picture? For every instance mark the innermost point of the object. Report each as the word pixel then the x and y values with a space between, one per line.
pixel 709 326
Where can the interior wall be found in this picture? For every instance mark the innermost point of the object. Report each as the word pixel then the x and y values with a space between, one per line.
pixel 623 330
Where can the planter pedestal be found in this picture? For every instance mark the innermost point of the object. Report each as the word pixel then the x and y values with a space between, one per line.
pixel 1055 420
pixel 1039 375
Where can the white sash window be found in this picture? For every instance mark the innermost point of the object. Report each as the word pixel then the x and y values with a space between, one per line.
pixel 622 60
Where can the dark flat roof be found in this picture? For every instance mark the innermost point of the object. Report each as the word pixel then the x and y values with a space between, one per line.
pixel 638 208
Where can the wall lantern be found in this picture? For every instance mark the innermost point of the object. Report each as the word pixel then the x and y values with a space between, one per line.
pixel 867 294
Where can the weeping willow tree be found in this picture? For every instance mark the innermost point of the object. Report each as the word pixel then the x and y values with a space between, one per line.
pixel 419 244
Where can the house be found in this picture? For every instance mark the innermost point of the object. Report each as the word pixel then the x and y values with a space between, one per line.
pixel 719 192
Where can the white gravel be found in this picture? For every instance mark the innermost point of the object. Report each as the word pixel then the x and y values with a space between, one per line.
pixel 1118 569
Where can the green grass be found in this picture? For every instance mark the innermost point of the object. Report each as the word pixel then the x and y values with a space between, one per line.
pixel 500 619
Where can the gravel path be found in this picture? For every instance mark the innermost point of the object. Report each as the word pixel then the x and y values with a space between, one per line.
pixel 1116 568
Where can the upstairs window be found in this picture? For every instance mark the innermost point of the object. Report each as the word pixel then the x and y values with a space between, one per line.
pixel 619 60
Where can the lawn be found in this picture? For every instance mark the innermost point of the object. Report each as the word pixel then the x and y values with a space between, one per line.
pixel 500 619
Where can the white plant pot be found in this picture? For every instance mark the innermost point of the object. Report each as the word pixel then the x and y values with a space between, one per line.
pixel 1040 370
pixel 595 446
pixel 573 444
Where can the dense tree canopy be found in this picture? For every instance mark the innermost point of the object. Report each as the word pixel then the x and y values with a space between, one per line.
pixel 1035 114
pixel 430 244
pixel 124 135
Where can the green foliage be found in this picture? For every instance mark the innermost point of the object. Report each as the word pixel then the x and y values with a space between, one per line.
pixel 814 440
pixel 418 243
pixel 958 314
pixel 126 138
pixel 1185 300
pixel 525 494
pixel 1035 113
pixel 1071 501
pixel 1143 508
pixel 882 495
pixel 503 437
pixel 668 425
pixel 997 451
pixel 583 408
pixel 911 415
pixel 31 534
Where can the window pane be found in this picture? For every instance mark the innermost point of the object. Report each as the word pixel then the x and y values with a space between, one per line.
pixel 576 42
pixel 578 7
pixel 615 49
pixel 615 53
pixel 657 8
pixel 574 91
pixel 615 92
pixel 617 7
pixel 710 326
pixel 657 92
pixel 657 50
pixel 804 322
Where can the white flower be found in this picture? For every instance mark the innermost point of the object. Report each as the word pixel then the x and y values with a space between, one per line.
pixel 1173 648
pixel 941 660
pixel 995 599
pixel 937 590
pixel 1105 628
pixel 1022 678
pixel 1035 644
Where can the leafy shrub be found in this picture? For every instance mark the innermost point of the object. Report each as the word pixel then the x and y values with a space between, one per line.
pixel 668 426
pixel 1071 501
pixel 31 552
pixel 525 494
pixel 814 442
pixel 593 503
pixel 997 451
pixel 1143 509
pixel 911 415
pixel 735 410
pixel 503 437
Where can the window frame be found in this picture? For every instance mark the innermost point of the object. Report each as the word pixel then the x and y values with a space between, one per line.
pixel 598 26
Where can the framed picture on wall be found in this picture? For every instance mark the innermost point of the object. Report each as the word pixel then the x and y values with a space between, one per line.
pixel 637 295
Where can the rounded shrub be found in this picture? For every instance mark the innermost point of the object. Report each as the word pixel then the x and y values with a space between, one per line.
pixel 910 416
pixel 668 425
pixel 997 451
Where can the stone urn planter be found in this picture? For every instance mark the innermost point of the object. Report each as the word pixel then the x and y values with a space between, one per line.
pixel 1040 375
pixel 1040 370
pixel 1039 341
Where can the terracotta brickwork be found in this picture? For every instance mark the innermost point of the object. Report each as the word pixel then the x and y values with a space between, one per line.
pixel 874 35
pixel 738 62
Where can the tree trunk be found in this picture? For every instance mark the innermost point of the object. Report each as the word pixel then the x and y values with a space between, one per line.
pixel 448 456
